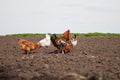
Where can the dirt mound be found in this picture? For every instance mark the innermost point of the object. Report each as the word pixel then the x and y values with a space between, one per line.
pixel 94 58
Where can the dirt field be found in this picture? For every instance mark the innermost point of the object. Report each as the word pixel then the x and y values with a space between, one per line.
pixel 96 58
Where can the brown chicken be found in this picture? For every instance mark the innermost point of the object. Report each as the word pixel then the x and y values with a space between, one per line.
pixel 27 46
pixel 65 35
pixel 70 44
pixel 68 48
pixel 63 43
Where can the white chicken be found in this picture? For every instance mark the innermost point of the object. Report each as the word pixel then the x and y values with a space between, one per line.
pixel 46 42
pixel 74 41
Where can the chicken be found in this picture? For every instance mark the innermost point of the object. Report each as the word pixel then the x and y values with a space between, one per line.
pixel 22 41
pixel 68 47
pixel 74 40
pixel 58 43
pixel 46 42
pixel 65 35
pixel 72 43
pixel 63 43
pixel 27 46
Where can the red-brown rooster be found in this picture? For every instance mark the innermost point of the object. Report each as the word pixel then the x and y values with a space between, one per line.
pixel 62 43
pixel 27 46
pixel 58 43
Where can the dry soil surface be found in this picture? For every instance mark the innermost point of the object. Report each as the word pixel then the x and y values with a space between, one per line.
pixel 94 58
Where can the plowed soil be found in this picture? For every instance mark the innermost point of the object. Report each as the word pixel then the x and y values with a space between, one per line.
pixel 95 58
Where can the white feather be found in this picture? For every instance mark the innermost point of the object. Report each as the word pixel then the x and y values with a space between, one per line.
pixel 45 42
pixel 74 42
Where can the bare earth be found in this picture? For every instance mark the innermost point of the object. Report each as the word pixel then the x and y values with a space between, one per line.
pixel 93 56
